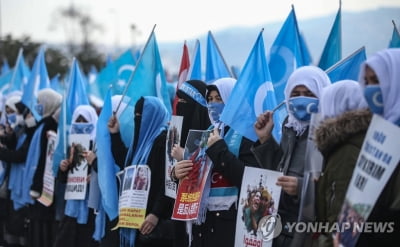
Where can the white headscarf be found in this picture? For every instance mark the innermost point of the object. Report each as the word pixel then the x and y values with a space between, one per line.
pixel 10 102
pixel 50 99
pixel 225 86
pixel 386 64
pixel 340 97
pixel 89 113
pixel 314 79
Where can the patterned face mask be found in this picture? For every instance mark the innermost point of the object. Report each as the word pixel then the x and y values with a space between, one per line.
pixel 39 109
pixel 301 107
pixel 373 96
pixel 215 110
pixel 82 128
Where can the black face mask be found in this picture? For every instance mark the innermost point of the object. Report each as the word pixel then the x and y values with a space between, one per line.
pixel 137 120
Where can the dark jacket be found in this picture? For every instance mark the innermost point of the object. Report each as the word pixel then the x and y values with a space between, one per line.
pixel 41 217
pixel 289 158
pixel 19 155
pixel 220 226
pixel 339 140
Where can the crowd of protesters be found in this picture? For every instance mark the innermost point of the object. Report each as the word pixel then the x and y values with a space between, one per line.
pixel 346 108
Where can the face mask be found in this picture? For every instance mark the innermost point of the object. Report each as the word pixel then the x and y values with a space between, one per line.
pixel 82 128
pixel 12 119
pixel 215 110
pixel 301 107
pixel 30 122
pixel 373 96
pixel 39 109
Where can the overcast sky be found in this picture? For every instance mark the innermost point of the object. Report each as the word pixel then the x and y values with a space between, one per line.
pixel 176 20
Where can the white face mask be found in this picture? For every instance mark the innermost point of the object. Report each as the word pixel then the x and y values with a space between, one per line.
pixel 30 122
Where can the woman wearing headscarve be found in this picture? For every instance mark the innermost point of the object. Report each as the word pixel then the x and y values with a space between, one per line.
pixel 41 218
pixel 192 106
pixel 379 79
pixel 302 94
pixel 339 138
pixel 15 156
pixel 229 153
pixel 77 226
pixel 148 147
pixel 13 122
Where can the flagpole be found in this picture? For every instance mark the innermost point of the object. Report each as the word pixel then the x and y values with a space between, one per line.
pixel 16 70
pixel 134 72
pixel 395 27
pixel 343 60
pixel 219 51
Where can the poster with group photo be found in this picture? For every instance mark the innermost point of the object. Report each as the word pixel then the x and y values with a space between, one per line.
pixel 78 171
pixel 378 158
pixel 190 189
pixel 136 180
pixel 47 195
pixel 173 138
pixel 257 208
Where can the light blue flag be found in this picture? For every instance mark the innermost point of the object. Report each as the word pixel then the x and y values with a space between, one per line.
pixel 38 79
pixel 75 95
pixel 124 65
pixel 305 52
pixel 76 92
pixel 347 68
pixel 286 55
pixel 21 73
pixel 5 68
pixel 55 84
pixel 216 66
pixel 395 41
pixel 107 168
pixel 195 67
pixel 332 52
pixel 5 81
pixel 92 86
pixel 148 80
pixel 252 95
pixel 116 73
pixel 109 60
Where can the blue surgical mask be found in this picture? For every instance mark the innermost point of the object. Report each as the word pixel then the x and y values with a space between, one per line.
pixel 215 110
pixel 82 128
pixel 39 109
pixel 373 96
pixel 12 118
pixel 301 107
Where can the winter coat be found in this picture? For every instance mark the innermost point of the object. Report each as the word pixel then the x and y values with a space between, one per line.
pixel 339 140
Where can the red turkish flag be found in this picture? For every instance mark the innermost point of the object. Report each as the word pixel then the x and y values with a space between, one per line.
pixel 183 72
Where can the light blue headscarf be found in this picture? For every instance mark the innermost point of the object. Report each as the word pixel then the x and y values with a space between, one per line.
pixel 155 118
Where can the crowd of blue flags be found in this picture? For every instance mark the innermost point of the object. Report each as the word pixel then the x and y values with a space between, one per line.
pixel 136 73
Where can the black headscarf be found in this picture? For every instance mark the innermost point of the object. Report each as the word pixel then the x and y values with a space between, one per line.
pixel 195 116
